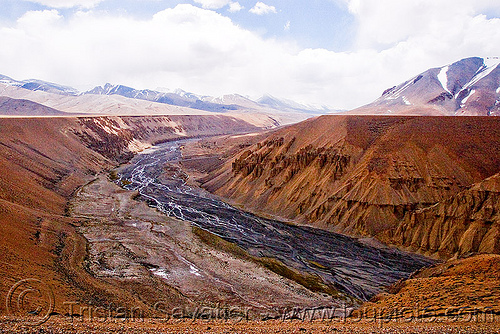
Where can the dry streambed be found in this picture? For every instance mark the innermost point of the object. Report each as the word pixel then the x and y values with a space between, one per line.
pixel 181 246
pixel 164 259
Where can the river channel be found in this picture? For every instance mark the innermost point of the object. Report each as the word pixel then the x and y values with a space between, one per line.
pixel 352 267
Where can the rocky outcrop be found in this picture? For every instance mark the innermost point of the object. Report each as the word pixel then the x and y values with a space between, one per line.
pixel 466 223
pixel 441 98
pixel 252 163
pixel 360 175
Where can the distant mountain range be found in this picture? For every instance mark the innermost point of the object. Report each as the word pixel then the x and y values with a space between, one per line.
pixel 467 87
pixel 285 104
pixel 177 97
pixel 39 85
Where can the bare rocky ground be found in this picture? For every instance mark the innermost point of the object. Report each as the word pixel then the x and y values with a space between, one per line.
pixel 63 325
pixel 162 259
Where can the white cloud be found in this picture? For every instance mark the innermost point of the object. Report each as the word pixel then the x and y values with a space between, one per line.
pixel 409 37
pixel 213 4
pixel 218 4
pixel 35 19
pixel 287 26
pixel 205 52
pixel 261 8
pixel 235 7
pixel 67 3
pixel 386 22
pixel 186 47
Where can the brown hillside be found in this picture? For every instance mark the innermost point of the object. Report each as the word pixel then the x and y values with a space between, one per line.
pixel 360 175
pixel 42 163
pixel 20 107
pixel 465 223
pixel 457 287
pixel 40 167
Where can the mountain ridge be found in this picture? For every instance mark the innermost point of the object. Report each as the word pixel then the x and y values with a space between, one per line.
pixel 468 87
pixel 360 175
pixel 21 107
pixel 177 97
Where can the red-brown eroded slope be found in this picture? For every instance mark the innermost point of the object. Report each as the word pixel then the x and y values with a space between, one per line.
pixel 468 222
pixel 360 175
pixel 42 162
pixel 455 288
pixel 40 166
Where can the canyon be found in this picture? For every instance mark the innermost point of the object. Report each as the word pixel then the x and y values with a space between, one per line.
pixel 44 161
pixel 98 234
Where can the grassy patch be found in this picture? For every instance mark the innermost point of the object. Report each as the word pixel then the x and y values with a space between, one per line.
pixel 309 281
pixel 113 175
pixel 317 265
pixel 125 182
pixel 220 244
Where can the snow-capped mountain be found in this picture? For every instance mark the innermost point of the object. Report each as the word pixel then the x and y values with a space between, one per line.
pixel 39 85
pixel 470 86
pixel 122 100
pixel 177 98
pixel 231 102
pixel 235 99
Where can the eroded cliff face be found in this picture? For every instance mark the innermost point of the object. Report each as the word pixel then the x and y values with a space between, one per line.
pixel 118 137
pixel 360 175
pixel 466 223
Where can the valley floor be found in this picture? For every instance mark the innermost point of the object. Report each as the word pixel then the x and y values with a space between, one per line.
pixel 107 248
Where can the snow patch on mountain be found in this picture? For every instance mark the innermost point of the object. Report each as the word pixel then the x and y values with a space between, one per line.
pixel 398 92
pixel 482 74
pixel 467 84
pixel 492 62
pixel 467 98
pixel 443 78
pixel 39 85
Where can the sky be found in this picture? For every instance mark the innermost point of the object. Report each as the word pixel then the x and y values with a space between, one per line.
pixel 340 53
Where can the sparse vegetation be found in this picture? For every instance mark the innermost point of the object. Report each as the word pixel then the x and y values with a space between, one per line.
pixel 113 175
pixel 218 243
pixel 309 281
pixel 125 182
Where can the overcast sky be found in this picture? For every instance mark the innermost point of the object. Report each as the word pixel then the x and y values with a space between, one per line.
pixel 342 53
